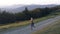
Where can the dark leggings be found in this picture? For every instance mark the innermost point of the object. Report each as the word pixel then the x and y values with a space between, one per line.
pixel 32 24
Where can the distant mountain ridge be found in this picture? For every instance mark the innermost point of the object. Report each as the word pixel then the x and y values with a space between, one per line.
pixel 20 8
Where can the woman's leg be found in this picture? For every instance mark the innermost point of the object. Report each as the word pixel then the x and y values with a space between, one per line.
pixel 31 27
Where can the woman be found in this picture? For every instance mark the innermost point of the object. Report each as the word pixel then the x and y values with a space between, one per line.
pixel 32 23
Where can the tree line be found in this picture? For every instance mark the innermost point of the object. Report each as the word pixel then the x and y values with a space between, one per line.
pixel 6 17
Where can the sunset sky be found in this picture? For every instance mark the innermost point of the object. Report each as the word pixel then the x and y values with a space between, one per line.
pixel 28 2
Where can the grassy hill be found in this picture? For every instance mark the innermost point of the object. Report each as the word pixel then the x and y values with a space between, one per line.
pixel 52 29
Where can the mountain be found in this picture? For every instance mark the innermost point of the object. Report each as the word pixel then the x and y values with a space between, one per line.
pixel 20 8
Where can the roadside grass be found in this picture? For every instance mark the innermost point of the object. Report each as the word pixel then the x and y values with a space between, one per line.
pixel 24 23
pixel 52 29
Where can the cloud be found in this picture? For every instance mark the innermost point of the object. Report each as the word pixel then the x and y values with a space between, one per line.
pixel 11 2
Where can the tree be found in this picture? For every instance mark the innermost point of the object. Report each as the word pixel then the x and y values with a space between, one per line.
pixel 26 12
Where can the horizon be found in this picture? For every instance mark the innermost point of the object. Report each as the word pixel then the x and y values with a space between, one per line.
pixel 28 2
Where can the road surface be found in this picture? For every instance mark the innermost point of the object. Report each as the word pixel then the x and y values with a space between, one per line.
pixel 27 30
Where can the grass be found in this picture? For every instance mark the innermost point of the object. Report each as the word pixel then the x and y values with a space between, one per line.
pixel 24 23
pixel 52 29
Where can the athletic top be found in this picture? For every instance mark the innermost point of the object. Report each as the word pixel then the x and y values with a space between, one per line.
pixel 31 19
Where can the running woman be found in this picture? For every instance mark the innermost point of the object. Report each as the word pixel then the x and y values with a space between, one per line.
pixel 32 23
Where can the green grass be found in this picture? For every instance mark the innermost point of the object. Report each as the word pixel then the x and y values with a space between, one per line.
pixel 23 23
pixel 52 29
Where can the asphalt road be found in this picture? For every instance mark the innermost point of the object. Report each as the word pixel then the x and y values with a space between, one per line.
pixel 27 29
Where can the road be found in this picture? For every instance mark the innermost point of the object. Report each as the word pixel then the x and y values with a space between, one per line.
pixel 27 30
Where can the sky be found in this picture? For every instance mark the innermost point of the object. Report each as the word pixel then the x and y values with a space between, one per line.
pixel 28 2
